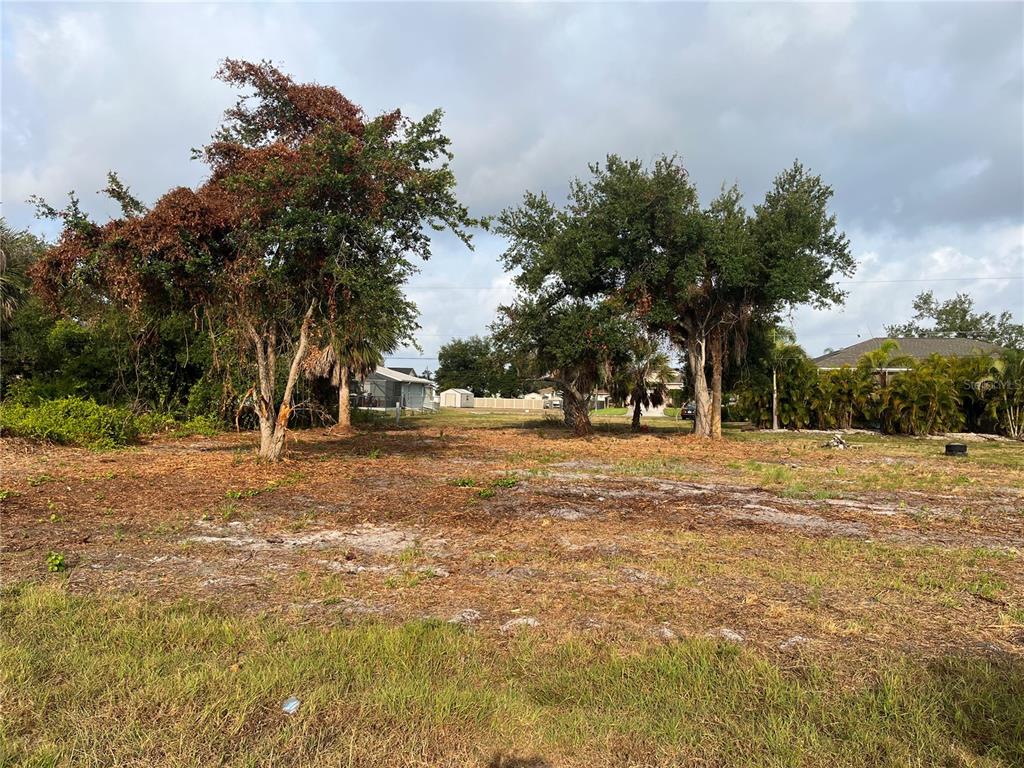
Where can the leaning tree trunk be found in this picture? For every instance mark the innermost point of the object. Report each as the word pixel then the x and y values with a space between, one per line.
pixel 637 408
pixel 696 352
pixel 717 353
pixel 344 407
pixel 273 418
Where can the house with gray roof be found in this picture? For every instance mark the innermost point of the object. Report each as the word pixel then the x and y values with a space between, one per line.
pixel 914 348
pixel 388 387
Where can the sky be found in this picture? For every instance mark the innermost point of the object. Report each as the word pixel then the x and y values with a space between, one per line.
pixel 914 113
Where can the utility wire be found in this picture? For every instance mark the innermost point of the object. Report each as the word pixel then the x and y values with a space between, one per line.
pixel 413 287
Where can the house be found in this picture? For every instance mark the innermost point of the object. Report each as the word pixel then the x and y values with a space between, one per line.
pixel 388 387
pixel 913 348
pixel 456 398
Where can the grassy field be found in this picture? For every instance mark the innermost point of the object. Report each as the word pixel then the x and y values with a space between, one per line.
pixel 122 682
pixel 480 589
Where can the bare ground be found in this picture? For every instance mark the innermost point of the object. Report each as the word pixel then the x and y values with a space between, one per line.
pixel 788 546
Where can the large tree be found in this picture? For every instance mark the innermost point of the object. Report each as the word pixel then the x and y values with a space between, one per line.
pixel 304 189
pixel 639 237
pixel 956 318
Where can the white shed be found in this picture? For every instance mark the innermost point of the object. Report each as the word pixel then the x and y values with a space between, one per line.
pixel 533 396
pixel 456 398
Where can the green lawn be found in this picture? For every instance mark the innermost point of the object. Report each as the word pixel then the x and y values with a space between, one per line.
pixel 121 681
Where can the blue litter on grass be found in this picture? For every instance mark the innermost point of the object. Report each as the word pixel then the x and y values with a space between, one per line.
pixel 290 705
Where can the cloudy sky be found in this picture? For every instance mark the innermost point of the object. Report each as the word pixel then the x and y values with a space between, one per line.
pixel 914 113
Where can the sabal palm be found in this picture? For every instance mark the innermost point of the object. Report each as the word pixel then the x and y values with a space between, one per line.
pixel 643 380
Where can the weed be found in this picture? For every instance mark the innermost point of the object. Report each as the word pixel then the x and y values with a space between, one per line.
pixel 229 512
pixel 986 585
pixel 410 554
pixel 56 562
pixel 485 493
pixel 373 453
pixel 5 494
pixel 36 480
pixel 464 482
pixel 508 481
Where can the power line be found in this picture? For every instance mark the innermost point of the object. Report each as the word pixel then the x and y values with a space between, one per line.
pixel 839 282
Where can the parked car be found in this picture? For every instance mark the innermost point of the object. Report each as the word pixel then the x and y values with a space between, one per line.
pixel 688 411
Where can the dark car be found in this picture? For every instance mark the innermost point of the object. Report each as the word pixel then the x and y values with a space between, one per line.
pixel 688 411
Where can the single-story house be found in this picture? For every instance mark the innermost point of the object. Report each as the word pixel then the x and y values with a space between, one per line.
pixel 913 348
pixel 456 398
pixel 388 387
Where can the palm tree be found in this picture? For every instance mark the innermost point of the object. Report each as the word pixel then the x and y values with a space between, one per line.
pixel 18 250
pixel 923 400
pixel 643 380
pixel 851 393
pixel 339 361
pixel 1003 386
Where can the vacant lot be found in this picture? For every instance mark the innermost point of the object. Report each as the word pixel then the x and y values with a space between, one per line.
pixel 468 589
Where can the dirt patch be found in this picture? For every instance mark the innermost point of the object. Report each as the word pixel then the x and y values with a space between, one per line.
pixel 611 536
pixel 368 538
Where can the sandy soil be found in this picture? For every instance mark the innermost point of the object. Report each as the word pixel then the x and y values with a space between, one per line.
pixel 620 537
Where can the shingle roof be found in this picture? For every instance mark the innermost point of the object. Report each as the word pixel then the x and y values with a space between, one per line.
pixel 918 349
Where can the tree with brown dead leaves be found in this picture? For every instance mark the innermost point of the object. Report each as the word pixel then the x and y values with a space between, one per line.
pixel 305 195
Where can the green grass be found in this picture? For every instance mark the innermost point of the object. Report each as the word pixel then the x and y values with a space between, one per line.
pixel 123 681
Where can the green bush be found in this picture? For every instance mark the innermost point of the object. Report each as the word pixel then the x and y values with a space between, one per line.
pixel 75 421
pixel 70 420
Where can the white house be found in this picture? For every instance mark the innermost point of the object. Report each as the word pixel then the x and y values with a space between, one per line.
pixel 456 398
pixel 388 387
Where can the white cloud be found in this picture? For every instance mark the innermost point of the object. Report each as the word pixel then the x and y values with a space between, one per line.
pixel 914 113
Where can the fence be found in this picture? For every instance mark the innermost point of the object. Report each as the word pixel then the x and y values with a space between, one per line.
pixel 508 403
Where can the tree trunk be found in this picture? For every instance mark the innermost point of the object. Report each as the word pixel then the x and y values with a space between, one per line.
pixel 775 400
pixel 637 408
pixel 717 352
pixel 273 418
pixel 696 352
pixel 576 414
pixel 344 409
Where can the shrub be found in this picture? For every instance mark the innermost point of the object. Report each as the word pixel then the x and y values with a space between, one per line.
pixel 76 421
pixel 70 420
pixel 922 400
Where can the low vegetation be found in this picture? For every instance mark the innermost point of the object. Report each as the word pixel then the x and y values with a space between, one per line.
pixel 208 687
pixel 978 393
pixel 76 421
